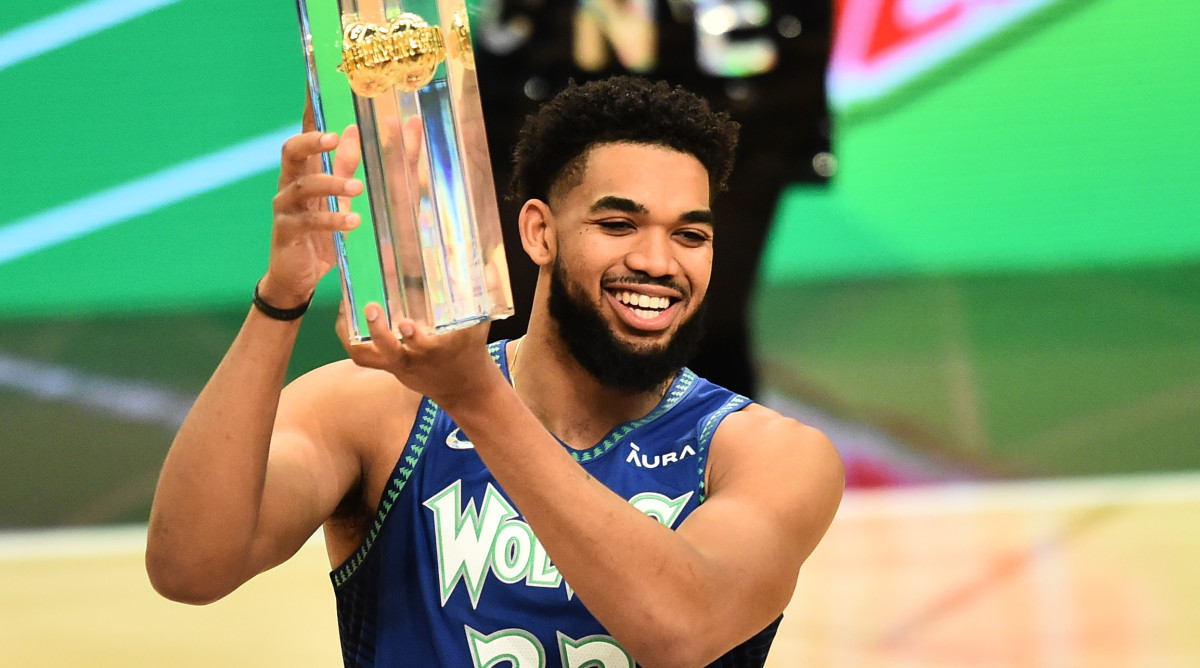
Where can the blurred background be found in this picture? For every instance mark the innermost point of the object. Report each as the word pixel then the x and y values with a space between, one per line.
pixel 964 241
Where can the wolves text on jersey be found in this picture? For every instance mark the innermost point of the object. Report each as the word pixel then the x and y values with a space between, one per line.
pixel 471 542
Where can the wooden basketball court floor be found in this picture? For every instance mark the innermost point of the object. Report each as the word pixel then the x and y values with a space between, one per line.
pixel 1065 573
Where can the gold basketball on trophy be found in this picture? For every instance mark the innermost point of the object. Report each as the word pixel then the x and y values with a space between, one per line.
pixel 416 51
pixel 405 54
pixel 365 52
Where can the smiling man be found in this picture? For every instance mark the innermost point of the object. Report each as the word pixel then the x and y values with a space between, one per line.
pixel 575 497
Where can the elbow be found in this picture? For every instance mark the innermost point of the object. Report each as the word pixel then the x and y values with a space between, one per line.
pixel 661 657
pixel 181 593
pixel 178 581
pixel 673 656
pixel 677 642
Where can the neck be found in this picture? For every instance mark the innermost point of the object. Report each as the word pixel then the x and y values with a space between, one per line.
pixel 565 397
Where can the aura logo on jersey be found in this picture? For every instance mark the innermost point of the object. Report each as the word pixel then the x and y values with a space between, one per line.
pixel 644 461
pixel 880 45
pixel 473 542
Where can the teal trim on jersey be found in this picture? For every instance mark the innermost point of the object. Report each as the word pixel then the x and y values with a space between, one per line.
pixel 682 383
pixel 417 440
pixel 735 403
pixel 678 389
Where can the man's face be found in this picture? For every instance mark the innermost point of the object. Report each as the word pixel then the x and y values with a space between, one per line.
pixel 634 255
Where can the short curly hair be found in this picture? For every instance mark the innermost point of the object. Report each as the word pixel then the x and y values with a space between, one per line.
pixel 554 141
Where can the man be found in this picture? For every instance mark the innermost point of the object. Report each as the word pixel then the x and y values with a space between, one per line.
pixel 575 497
pixel 761 61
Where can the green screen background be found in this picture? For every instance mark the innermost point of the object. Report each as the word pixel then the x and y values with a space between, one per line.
pixel 1068 141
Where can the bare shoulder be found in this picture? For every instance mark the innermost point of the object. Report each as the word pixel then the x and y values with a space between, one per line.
pixel 777 461
pixel 342 398
pixel 757 432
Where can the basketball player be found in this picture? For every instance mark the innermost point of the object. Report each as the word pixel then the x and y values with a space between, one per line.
pixel 762 61
pixel 575 497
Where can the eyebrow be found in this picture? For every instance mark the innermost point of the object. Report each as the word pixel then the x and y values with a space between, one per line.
pixel 614 203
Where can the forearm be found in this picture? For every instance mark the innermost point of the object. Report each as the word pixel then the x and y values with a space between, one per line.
pixel 209 494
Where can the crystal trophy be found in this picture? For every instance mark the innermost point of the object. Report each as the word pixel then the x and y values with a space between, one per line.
pixel 405 73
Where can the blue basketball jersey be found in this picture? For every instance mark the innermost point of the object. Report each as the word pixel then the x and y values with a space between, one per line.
pixel 449 574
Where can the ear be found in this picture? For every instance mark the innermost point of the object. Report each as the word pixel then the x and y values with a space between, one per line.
pixel 536 224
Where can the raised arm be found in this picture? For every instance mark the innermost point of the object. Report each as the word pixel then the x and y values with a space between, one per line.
pixel 241 490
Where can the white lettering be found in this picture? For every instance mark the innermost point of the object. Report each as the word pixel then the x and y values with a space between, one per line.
pixel 542 573
pixel 519 648
pixel 718 53
pixel 633 454
pixel 596 651
pixel 512 554
pixel 472 543
pixel 643 461
pixel 627 28
pixel 464 542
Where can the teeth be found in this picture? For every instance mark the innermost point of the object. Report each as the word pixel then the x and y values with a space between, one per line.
pixel 643 301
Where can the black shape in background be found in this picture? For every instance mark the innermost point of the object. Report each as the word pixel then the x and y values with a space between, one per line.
pixel 785 122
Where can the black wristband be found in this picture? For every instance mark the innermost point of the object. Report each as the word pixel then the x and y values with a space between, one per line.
pixel 279 313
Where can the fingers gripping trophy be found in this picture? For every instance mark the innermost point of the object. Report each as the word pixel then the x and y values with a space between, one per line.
pixel 404 74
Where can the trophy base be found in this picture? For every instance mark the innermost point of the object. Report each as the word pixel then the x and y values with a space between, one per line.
pixel 363 337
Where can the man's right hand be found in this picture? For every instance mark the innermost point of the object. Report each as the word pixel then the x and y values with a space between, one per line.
pixel 302 248
pixel 252 474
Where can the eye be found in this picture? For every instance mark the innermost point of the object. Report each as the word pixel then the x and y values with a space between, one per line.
pixel 615 226
pixel 693 237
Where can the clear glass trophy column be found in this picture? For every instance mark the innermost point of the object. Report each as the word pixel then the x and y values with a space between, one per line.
pixel 405 73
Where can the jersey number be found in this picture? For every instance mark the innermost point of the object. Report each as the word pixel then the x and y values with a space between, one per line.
pixel 521 649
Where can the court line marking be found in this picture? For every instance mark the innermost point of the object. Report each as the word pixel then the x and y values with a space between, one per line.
pixel 126 399
pixel 70 25
pixel 28 544
pixel 1097 494
pixel 142 196
pixel 133 400
pixel 120 500
pixel 965 498
pixel 1002 568
pixel 962 375
pixel 1127 418
pixel 85 542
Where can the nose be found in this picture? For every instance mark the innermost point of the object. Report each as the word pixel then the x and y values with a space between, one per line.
pixel 653 255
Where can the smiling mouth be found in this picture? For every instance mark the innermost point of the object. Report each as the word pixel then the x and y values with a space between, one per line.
pixel 643 306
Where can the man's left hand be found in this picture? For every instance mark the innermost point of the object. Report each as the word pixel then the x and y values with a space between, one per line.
pixel 447 368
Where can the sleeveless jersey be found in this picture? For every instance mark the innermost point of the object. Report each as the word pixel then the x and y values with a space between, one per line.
pixel 449 574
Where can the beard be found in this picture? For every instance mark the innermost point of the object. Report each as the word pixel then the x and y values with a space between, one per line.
pixel 614 363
